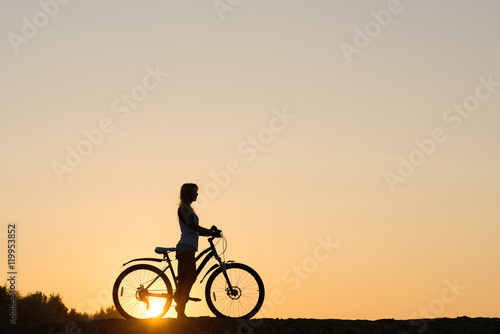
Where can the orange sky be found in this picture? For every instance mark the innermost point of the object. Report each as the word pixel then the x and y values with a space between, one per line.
pixel 366 125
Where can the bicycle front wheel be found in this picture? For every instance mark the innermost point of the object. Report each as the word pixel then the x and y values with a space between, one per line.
pixel 245 298
pixel 133 296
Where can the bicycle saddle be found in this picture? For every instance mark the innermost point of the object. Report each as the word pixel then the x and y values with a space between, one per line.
pixel 163 250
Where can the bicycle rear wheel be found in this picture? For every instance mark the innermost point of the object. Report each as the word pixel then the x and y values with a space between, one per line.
pixel 134 301
pixel 244 300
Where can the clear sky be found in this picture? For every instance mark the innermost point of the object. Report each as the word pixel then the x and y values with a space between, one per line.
pixel 370 127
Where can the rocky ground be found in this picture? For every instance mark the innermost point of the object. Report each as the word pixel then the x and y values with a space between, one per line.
pixel 200 325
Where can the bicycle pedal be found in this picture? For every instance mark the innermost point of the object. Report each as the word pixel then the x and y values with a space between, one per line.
pixel 194 299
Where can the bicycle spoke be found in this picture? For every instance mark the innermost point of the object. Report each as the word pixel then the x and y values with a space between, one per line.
pixel 131 297
pixel 245 298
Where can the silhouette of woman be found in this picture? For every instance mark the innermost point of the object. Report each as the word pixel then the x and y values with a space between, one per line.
pixel 188 245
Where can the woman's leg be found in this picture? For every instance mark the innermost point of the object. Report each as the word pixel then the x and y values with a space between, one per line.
pixel 186 266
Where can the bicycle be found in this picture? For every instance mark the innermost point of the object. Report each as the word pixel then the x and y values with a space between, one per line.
pixel 233 290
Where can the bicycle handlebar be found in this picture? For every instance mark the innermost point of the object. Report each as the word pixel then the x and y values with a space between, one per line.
pixel 210 239
pixel 216 231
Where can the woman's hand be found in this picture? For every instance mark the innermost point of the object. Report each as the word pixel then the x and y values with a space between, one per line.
pixel 215 231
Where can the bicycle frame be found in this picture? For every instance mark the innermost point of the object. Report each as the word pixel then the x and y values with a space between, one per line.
pixel 208 253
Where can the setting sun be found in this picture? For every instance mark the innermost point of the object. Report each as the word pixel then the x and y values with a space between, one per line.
pixel 156 306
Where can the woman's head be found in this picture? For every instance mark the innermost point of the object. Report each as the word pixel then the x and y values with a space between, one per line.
pixel 189 193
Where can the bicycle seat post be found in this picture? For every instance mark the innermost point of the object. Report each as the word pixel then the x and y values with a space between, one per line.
pixel 166 257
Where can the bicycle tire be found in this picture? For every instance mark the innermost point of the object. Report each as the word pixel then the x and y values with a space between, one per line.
pixel 248 285
pixel 126 292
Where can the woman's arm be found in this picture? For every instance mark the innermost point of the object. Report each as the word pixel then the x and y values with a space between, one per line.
pixel 186 215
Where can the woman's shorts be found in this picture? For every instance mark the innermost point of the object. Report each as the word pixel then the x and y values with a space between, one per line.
pixel 182 248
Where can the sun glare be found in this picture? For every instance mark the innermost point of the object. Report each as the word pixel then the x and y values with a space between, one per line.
pixel 156 306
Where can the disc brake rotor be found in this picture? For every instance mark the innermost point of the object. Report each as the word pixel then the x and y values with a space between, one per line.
pixel 235 293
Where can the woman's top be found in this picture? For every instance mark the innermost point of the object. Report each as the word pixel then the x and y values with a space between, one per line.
pixel 188 235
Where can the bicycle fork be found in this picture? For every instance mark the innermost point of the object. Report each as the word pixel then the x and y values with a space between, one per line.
pixel 230 290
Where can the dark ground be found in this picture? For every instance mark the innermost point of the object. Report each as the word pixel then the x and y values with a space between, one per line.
pixel 207 325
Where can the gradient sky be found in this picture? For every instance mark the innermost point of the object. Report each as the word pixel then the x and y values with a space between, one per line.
pixel 321 173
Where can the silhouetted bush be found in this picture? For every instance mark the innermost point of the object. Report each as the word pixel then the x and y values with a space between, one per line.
pixel 5 302
pixel 37 308
pixel 33 308
pixel 4 305
pixel 77 316
pixel 109 313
